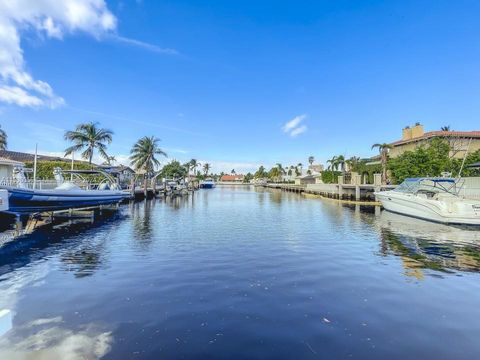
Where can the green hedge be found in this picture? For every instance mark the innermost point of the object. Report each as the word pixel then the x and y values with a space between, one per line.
pixel 330 177
pixel 45 168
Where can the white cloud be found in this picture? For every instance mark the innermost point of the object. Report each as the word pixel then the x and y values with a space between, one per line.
pixel 299 130
pixel 50 18
pixel 144 45
pixel 293 127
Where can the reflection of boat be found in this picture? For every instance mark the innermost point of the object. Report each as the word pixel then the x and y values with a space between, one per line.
pixel 175 188
pixel 421 229
pixel 423 244
pixel 207 184
pixel 26 198
pixel 433 199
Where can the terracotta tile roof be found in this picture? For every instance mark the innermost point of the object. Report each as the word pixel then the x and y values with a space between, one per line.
pixel 231 177
pixel 432 134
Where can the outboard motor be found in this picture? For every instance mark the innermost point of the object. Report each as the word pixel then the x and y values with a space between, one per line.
pixel 57 173
pixel 20 178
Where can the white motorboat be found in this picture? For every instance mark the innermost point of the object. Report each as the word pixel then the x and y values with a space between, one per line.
pixel 433 199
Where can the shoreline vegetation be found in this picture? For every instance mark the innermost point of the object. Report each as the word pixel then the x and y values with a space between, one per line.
pixel 89 139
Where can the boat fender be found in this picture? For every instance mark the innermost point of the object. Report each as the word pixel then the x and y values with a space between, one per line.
pixel 4 200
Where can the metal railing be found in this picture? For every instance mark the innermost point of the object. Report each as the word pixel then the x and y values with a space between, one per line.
pixel 44 184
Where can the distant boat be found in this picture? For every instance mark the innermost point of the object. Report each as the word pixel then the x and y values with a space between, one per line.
pixel 207 184
pixel 433 199
pixel 26 198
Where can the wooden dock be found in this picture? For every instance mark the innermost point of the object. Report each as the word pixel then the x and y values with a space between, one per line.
pixel 364 192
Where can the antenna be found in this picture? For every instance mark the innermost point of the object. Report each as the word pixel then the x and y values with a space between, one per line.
pixel 464 158
pixel 35 168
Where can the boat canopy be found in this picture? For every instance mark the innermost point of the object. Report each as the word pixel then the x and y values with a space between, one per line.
pixel 474 165
pixel 429 185
pixel 435 180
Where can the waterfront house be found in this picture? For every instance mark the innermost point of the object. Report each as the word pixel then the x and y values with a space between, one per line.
pixel 7 166
pixel 306 179
pixel 315 169
pixel 27 157
pixel 415 136
pixel 232 178
pixel 123 173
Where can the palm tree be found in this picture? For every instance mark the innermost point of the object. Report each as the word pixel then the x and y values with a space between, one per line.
pixel 311 159
pixel 260 173
pixel 340 159
pixel 233 172
pixel 89 137
pixel 353 163
pixel 193 164
pixel 445 128
pixel 280 169
pixel 110 160
pixel 3 139
pixel 383 149
pixel 206 168
pixel 333 164
pixel 143 156
pixel 298 169
pixel 275 173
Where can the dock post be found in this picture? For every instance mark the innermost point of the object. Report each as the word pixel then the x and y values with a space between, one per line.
pixel 357 192
pixel 133 187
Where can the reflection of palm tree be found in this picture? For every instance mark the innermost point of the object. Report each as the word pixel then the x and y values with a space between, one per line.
pixel 3 139
pixel 89 137
pixel 142 224
pixel 383 149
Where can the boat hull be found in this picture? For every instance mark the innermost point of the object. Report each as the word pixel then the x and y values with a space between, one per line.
pixel 207 186
pixel 451 213
pixel 24 201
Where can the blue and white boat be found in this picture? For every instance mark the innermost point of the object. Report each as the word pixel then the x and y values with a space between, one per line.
pixel 207 184
pixel 25 197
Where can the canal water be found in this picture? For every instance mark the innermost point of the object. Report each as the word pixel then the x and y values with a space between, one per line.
pixel 240 273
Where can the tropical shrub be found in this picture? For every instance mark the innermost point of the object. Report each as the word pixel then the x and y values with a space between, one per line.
pixel 45 168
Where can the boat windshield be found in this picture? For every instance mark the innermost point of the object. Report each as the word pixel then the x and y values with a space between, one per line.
pixel 429 185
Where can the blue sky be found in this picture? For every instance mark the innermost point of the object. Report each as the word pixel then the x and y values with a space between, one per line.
pixel 219 80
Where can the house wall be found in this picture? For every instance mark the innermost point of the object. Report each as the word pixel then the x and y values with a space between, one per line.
pixel 6 171
pixel 459 147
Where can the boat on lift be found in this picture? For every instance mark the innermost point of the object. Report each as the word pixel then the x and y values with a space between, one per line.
pixel 207 184
pixel 433 199
pixel 26 197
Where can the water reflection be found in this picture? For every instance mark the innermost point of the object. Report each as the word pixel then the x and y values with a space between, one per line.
pixel 141 213
pixel 49 339
pixel 257 274
pixel 85 259
pixel 426 245
pixel 45 238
